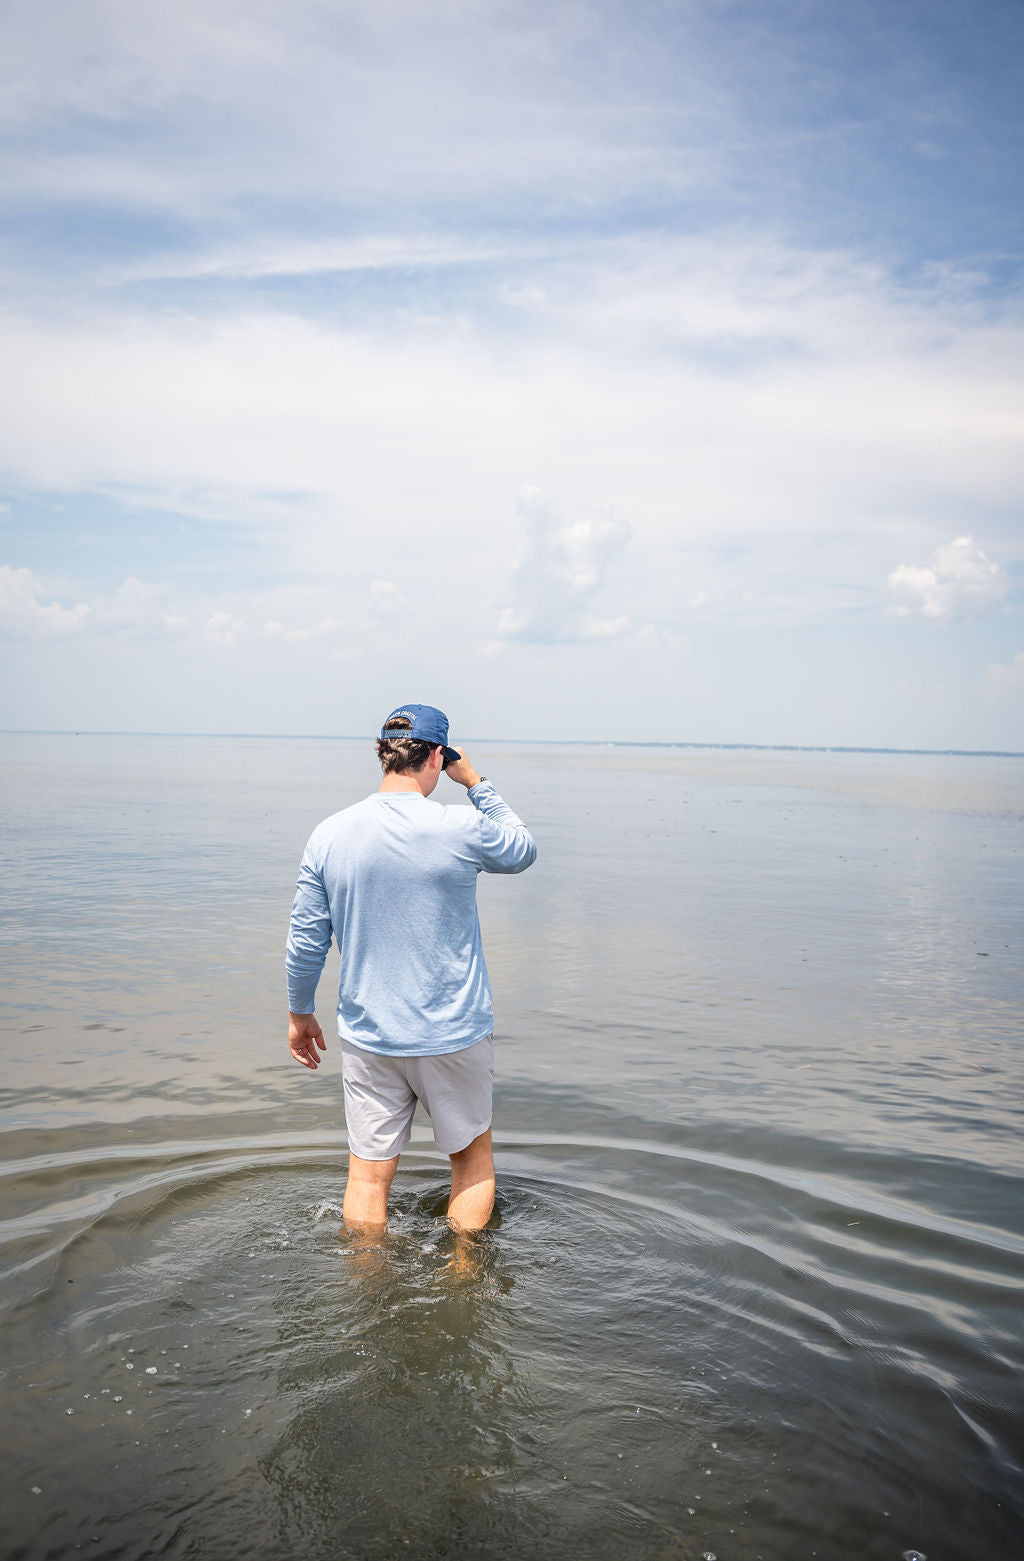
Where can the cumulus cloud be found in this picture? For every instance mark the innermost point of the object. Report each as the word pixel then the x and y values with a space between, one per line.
pixel 135 609
pixel 668 644
pixel 222 629
pixel 23 613
pixel 141 609
pixel 275 630
pixel 1004 678
pixel 961 582
pixel 386 600
pixel 559 572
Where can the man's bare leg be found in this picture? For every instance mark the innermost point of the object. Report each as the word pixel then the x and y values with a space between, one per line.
pixel 472 1196
pixel 365 1210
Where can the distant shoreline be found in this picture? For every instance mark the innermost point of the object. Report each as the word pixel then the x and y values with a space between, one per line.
pixel 544 742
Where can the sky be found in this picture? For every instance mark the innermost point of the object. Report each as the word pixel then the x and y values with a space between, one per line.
pixel 618 371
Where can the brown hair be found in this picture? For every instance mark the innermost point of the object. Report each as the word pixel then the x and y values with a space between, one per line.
pixel 398 754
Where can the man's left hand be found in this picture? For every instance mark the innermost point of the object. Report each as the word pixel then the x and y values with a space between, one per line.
pixel 304 1036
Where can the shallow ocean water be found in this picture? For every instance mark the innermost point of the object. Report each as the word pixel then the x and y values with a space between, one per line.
pixel 754 1287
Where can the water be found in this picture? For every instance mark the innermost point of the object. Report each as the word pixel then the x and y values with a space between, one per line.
pixel 754 1286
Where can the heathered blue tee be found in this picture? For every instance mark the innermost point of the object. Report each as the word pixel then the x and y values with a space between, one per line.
pixel 394 879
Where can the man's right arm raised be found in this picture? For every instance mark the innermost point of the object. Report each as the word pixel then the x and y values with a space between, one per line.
pixel 506 844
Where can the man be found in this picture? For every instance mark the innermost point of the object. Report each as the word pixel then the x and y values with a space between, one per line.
pixel 394 879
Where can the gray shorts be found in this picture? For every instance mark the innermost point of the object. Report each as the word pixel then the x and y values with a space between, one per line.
pixel 381 1094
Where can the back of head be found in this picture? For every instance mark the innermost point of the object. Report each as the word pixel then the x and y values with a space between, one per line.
pixel 427 728
pixel 400 754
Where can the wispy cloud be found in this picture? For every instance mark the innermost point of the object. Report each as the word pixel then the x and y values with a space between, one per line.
pixel 399 252
pixel 961 582
pixel 803 393
pixel 354 102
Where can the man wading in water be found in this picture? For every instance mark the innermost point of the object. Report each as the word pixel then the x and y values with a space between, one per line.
pixel 394 879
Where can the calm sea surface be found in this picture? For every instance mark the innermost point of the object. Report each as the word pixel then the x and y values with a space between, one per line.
pixel 755 1289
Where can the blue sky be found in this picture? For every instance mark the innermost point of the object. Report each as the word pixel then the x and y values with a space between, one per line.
pixel 592 370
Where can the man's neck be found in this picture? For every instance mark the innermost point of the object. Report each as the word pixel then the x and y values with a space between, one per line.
pixel 422 780
pixel 407 782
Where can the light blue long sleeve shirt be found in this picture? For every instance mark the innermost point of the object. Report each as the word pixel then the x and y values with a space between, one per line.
pixel 394 879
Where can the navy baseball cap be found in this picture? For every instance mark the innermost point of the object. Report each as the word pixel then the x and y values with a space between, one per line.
pixel 427 726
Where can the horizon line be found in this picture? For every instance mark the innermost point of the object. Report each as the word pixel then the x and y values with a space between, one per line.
pixel 551 742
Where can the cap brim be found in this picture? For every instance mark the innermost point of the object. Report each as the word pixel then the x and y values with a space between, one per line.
pixel 451 755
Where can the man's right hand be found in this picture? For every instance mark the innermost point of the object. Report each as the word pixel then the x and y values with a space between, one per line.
pixel 304 1036
pixel 462 772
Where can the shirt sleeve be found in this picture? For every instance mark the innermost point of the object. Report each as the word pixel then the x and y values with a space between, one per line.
pixel 309 936
pixel 506 845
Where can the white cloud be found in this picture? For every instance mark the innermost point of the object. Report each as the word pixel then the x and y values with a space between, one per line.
pixel 141 609
pixel 1004 678
pixel 531 298
pixel 961 582
pixel 386 600
pixel 368 268
pixel 723 396
pixel 136 609
pixel 23 614
pixel 558 574
pixel 348 102
pixel 283 258
pixel 222 629
pixel 666 642
pixel 274 630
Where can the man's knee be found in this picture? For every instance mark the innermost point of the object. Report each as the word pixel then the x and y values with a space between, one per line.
pixel 478 1149
pixel 378 1172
